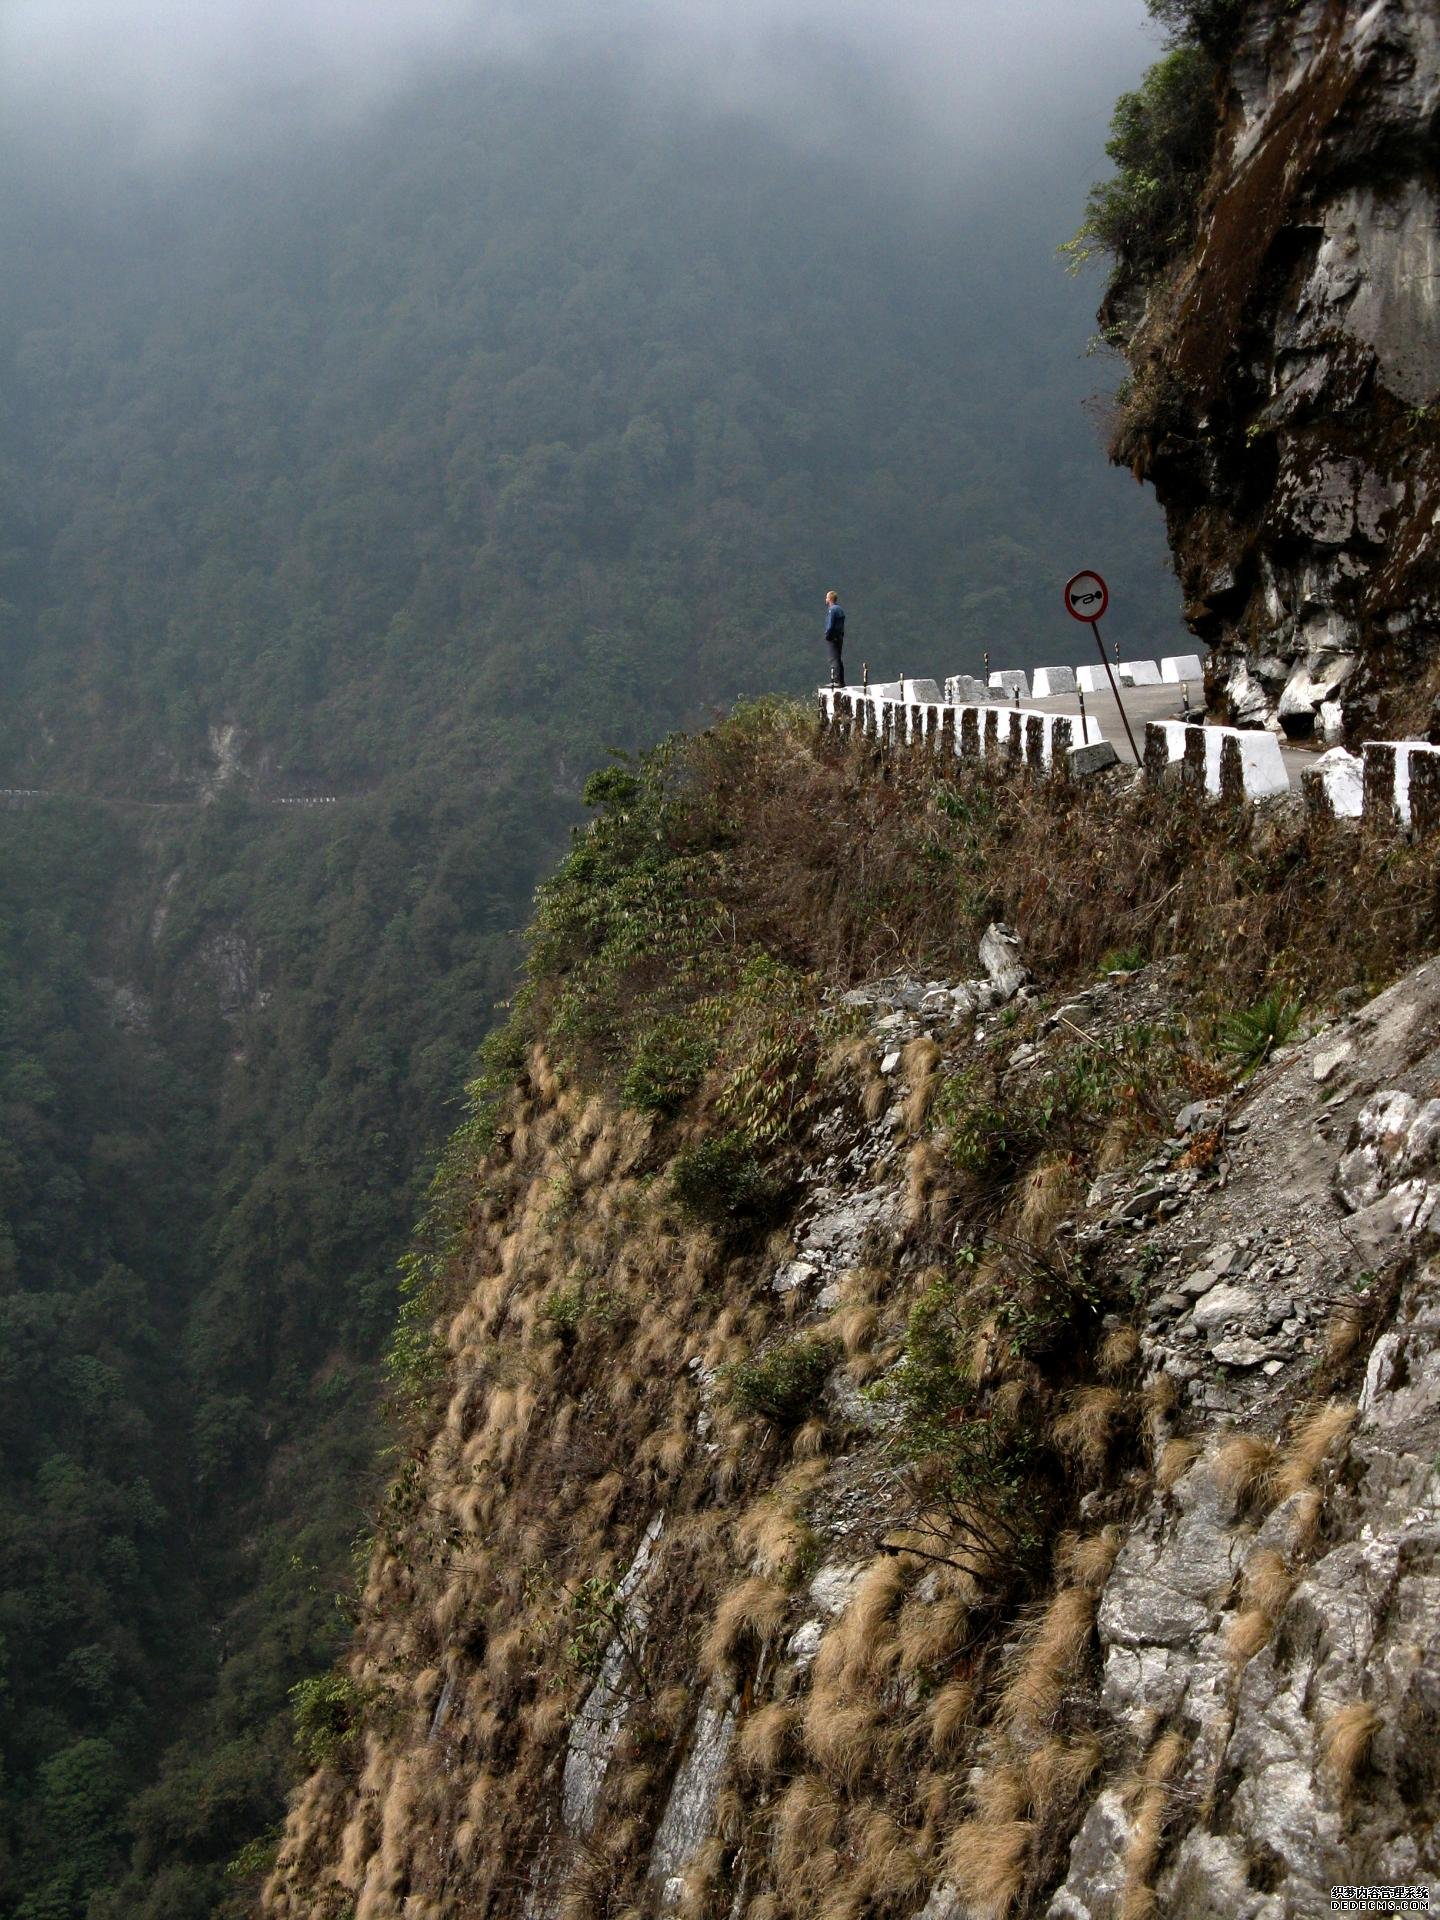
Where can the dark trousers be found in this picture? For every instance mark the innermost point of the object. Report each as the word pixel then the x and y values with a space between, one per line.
pixel 837 665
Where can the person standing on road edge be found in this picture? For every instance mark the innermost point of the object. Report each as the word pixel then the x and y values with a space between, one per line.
pixel 835 636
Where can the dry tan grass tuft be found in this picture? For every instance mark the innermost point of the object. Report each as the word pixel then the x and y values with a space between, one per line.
pixel 1345 1742
pixel 855 1328
pixel 929 1630
pixel 1050 1652
pixel 1302 1531
pixel 841 1736
pixel 766 1740
pixel 1119 1351
pixel 774 1536
pixel 1305 1452
pixel 1084 1433
pixel 700 1877
pixel 1151 1804
pixel 753 1611
pixel 863 1641
pixel 1159 1397
pixel 1268 1582
pixel 949 1713
pixel 1047 1193
pixel 1244 1469
pixel 846 1059
pixel 989 1863
pixel 808 1443
pixel 1058 1773
pixel 876 1096
pixel 1000 1794
pixel 918 1064
pixel 1088 1560
pixel 1007 1403
pixel 802 1841
pixel 1249 1631
pixel 1343 1332
pixel 927 1186
pixel 888 1862
pixel 1176 1459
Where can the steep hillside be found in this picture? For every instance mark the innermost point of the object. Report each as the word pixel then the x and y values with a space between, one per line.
pixel 904 1361
pixel 1276 299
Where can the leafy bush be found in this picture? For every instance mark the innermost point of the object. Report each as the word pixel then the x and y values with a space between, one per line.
pixel 988 1139
pixel 578 1300
pixel 1251 1037
pixel 783 1383
pixel 670 1061
pixel 971 1469
pixel 327 1709
pixel 1161 138
pixel 1123 960
pixel 722 1181
pixel 1207 23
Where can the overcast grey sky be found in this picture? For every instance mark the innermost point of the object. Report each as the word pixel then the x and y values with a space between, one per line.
pixel 986 78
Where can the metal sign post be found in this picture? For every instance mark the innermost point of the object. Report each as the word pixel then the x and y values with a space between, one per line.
pixel 1086 598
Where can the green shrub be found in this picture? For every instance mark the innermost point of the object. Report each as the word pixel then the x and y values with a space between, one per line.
pixel 579 1299
pixel 1123 960
pixel 256 1857
pixel 723 1182
pixel 783 1383
pixel 1251 1037
pixel 987 1139
pixel 670 1061
pixel 328 1709
pixel 971 1470
pixel 1161 138
pixel 1207 23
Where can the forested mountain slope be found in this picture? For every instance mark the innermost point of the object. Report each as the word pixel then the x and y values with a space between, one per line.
pixel 416 463
pixel 513 408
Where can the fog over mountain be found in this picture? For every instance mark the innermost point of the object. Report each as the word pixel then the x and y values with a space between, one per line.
pixel 975 84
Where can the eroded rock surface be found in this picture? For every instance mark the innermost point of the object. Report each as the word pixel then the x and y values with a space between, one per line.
pixel 1291 371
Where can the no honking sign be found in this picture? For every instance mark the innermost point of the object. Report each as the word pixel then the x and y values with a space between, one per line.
pixel 1086 597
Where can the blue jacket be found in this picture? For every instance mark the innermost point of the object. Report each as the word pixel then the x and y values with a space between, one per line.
pixel 835 622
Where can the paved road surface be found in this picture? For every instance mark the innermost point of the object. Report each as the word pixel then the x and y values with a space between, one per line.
pixel 1151 703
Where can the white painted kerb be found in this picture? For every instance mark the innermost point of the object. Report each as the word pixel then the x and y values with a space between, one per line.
pixel 1177 668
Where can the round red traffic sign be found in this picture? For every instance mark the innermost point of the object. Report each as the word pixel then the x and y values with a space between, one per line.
pixel 1086 597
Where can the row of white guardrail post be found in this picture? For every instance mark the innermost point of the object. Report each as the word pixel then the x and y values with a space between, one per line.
pixel 1392 784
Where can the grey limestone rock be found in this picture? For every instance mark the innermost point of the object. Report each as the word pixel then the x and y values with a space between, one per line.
pixel 1000 957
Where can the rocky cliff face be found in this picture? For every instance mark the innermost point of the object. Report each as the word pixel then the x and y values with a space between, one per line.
pixel 1032 1510
pixel 1223 1702
pixel 1286 400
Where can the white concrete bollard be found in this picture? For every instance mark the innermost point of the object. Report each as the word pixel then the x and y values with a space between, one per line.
pixel 1138 673
pixel 1178 668
pixel 1048 681
pixel 1242 762
pixel 919 690
pixel 1010 680
pixel 1336 784
pixel 1262 765
pixel 1091 680
pixel 1402 783
pixel 966 688
pixel 1164 744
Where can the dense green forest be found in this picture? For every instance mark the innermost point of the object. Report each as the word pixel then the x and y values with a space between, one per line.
pixel 417 464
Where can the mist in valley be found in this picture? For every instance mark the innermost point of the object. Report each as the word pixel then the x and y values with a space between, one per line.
pixel 412 404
